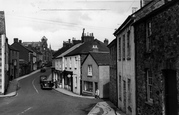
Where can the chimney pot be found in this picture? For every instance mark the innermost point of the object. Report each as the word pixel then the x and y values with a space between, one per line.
pixel 15 40
pixel 20 41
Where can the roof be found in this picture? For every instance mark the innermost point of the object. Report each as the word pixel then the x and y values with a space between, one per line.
pixel 69 50
pixel 21 46
pixel 34 44
pixel 114 42
pixel 60 51
pixel 101 58
pixel 128 21
pixel 86 47
pixel 155 8
pixel 13 48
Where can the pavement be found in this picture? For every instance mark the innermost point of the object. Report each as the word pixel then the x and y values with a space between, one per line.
pixel 14 86
pixel 101 108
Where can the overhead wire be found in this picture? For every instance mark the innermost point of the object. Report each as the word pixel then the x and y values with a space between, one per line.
pixel 67 24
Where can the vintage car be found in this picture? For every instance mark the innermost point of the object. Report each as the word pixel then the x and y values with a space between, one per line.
pixel 42 70
pixel 46 82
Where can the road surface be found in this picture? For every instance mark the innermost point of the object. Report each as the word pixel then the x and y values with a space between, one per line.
pixel 32 100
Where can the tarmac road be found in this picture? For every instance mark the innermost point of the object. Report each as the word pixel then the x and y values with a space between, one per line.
pixel 32 100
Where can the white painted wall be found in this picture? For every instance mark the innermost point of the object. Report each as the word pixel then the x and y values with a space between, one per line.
pixel 76 69
pixel 126 69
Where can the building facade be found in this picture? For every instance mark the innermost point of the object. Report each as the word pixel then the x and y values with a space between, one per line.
pixel 4 55
pixel 157 44
pixel 13 63
pixel 62 68
pixel 42 47
pixel 126 66
pixel 113 88
pixel 25 57
pixel 95 74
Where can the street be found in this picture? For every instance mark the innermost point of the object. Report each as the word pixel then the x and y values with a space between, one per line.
pixel 32 100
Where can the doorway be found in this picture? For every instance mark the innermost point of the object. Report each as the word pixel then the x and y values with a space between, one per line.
pixel 170 85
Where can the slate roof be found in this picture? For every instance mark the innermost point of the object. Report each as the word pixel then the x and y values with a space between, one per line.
pixel 13 45
pixel 69 50
pixel 101 58
pixel 60 51
pixel 86 47
pixel 13 48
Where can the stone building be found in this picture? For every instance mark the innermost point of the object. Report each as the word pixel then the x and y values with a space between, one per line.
pixel 113 93
pixel 41 46
pixel 157 58
pixel 25 57
pixel 13 63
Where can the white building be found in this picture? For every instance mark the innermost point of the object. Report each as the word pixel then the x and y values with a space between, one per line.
pixel 126 67
pixel 62 70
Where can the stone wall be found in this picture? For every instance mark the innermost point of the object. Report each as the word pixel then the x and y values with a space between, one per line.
pixel 113 73
pixel 163 55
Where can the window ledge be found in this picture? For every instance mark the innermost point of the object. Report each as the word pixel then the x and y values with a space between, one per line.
pixel 89 76
pixel 149 103
pixel 128 58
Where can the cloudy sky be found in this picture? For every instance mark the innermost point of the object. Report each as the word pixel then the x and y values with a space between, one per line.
pixel 60 20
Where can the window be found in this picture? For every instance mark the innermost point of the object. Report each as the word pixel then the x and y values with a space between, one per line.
pixel 65 62
pixel 76 62
pixel 89 70
pixel 120 88
pixel 70 62
pixel 88 86
pixel 123 47
pixel 128 46
pixel 129 91
pixel 76 82
pixel 149 86
pixel 148 35
pixel 119 49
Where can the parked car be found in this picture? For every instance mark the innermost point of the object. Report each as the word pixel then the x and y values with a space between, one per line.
pixel 45 82
pixel 43 70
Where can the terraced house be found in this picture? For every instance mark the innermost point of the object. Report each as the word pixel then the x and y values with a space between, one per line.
pixel 4 55
pixel 157 44
pixel 126 66
pixel 95 74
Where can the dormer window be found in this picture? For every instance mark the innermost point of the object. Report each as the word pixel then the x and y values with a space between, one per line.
pixel 95 48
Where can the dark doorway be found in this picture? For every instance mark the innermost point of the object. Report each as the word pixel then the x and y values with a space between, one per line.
pixel 171 103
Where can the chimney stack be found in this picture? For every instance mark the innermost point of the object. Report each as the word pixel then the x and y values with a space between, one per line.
pixel 106 41
pixel 15 40
pixel 20 41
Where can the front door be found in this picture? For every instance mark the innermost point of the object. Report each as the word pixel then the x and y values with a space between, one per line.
pixel 170 92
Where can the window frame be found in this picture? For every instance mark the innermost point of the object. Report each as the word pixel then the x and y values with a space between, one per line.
pixel 90 70
pixel 128 45
pixel 149 86
pixel 119 46
pixel 148 36
pixel 123 47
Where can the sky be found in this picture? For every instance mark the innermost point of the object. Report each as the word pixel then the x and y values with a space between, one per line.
pixel 60 20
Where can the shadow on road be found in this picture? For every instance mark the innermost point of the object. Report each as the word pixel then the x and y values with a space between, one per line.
pixel 88 108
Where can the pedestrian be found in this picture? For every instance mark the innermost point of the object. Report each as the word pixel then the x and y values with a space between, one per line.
pixel 97 93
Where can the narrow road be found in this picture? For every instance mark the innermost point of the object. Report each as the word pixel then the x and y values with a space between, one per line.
pixel 32 100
